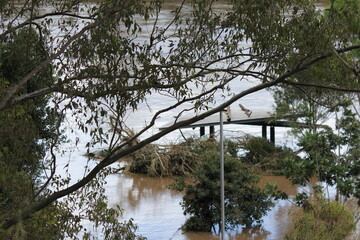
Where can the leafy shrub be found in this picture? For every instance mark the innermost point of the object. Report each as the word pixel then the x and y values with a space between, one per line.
pixel 245 202
pixel 323 220
pixel 263 155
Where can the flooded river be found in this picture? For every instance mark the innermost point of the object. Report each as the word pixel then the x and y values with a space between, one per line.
pixel 158 213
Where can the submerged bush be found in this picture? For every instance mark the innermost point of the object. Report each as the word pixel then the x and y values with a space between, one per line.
pixel 262 155
pixel 323 220
pixel 245 202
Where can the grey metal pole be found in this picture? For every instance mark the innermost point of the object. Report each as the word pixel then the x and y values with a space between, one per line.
pixel 222 187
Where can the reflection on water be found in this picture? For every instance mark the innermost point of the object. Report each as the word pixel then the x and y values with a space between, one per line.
pixel 149 202
pixel 157 211
pixel 255 233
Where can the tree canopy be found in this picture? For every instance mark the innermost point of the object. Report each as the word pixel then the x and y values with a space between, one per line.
pixel 328 153
pixel 98 61
pixel 245 203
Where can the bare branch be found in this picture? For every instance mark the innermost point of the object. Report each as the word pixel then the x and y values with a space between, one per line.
pixel 314 85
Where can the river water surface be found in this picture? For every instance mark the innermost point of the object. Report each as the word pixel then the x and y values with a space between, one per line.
pixel 157 211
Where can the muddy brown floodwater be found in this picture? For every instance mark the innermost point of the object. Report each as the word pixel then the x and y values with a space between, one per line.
pixel 157 211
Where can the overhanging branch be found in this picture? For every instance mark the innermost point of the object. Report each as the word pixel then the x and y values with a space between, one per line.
pixel 27 213
pixel 110 159
pixel 340 89
pixel 10 92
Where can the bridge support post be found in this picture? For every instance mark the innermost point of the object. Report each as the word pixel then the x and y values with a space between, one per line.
pixel 272 134
pixel 202 131
pixel 264 132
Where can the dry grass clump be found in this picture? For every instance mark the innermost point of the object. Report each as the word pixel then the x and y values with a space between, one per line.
pixel 180 159
pixel 170 160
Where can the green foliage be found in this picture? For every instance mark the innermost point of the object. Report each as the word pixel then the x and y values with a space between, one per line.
pixel 25 134
pixel 10 187
pixel 324 160
pixel 313 106
pixel 273 191
pixel 264 156
pixel 346 13
pixel 28 126
pixel 310 97
pixel 320 160
pixel 307 96
pixel 28 131
pixel 324 220
pixel 348 168
pixel 245 203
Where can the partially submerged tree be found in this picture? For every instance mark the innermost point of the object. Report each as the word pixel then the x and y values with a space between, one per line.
pixel 332 156
pixel 105 64
pixel 245 202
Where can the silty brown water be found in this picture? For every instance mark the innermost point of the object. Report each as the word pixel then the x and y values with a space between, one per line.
pixel 157 211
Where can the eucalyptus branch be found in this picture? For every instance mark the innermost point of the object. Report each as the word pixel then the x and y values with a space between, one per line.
pixel 59 88
pixel 177 14
pixel 53 144
pixel 12 90
pixel 65 14
pixel 114 156
pixel 22 10
pixel 340 89
pixel 310 97
pixel 52 171
pixel 157 114
pixel 117 122
pixel 152 38
pixel 39 17
pixel 354 70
